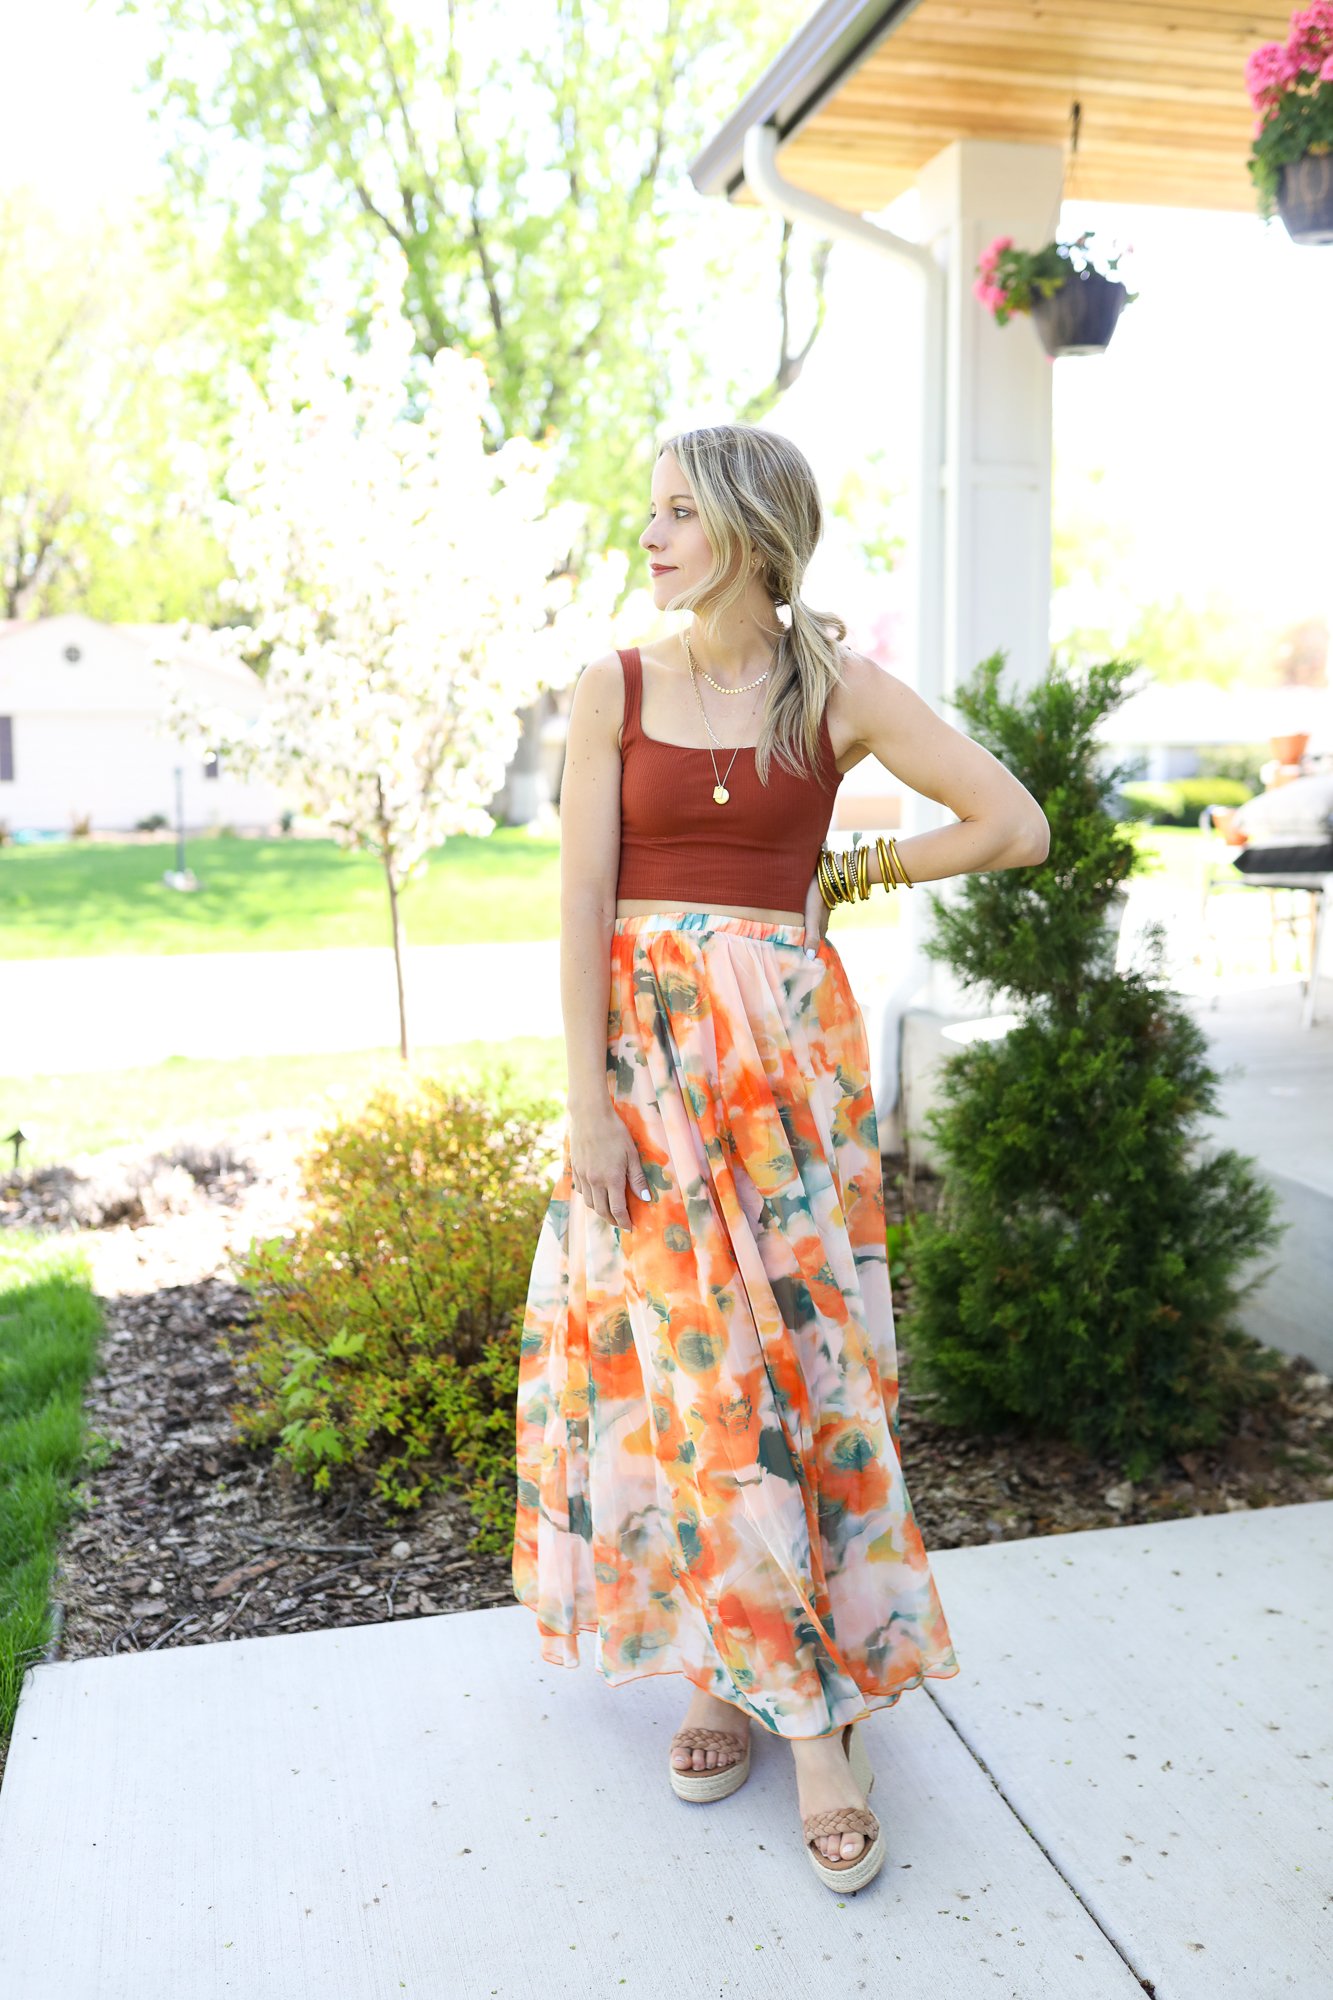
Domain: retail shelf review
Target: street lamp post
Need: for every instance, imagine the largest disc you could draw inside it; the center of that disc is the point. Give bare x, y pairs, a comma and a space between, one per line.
180, 820
180, 877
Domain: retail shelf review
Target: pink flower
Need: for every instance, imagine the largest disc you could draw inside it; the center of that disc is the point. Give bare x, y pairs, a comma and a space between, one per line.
1311, 37
1326, 73
1270, 70
990, 256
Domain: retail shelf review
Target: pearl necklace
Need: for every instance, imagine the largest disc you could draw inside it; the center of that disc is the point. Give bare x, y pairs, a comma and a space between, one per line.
720, 792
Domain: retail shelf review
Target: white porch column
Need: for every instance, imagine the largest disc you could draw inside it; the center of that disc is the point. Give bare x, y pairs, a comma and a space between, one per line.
995, 470
985, 579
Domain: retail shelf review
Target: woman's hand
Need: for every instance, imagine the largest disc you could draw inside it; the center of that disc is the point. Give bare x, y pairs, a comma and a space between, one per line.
602, 1158
816, 918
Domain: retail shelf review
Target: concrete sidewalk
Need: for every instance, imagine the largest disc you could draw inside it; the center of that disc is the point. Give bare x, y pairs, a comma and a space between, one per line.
85, 1014
1125, 1790
64, 1014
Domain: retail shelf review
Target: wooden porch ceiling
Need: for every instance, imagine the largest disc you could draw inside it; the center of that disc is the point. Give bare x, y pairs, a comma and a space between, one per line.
864, 96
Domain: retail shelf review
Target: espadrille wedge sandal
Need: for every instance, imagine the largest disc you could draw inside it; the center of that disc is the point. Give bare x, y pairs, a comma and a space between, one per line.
863, 1867
702, 1787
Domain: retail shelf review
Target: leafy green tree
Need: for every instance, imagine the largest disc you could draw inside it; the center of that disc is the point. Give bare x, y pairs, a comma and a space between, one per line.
91, 424
530, 171
1081, 1276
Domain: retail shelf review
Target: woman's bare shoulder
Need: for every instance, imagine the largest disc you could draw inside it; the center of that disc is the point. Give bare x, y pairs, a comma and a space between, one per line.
597, 706
862, 679
606, 675
863, 694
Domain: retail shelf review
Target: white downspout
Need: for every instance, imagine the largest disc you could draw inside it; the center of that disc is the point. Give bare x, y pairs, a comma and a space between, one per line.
759, 159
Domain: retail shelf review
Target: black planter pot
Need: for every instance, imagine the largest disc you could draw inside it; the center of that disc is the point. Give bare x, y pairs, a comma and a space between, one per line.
1305, 198
1080, 318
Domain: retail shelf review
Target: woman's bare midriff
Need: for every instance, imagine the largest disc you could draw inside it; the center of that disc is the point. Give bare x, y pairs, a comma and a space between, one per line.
645, 909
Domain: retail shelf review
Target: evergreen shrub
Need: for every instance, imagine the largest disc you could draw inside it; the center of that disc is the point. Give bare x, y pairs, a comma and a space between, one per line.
1079, 1278
386, 1329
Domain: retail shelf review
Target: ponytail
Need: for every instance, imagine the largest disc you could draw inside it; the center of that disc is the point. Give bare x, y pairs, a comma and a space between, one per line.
755, 491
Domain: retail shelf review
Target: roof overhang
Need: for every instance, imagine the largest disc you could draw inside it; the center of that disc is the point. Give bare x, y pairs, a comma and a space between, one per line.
870, 90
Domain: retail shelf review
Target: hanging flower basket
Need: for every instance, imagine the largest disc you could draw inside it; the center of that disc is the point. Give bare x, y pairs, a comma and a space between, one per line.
1074, 304
1291, 160
1080, 318
1305, 198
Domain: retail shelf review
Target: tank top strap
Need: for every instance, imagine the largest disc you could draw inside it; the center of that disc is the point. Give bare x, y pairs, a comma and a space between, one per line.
632, 667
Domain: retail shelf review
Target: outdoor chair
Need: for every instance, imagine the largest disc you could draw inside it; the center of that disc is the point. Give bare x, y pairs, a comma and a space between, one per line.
1299, 870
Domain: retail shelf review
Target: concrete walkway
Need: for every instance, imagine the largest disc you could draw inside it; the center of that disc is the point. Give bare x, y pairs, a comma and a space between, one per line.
82, 1014
62, 1014
1125, 1790
85, 1014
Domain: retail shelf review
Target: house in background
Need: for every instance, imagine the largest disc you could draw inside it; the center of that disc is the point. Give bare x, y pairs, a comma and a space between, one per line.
80, 705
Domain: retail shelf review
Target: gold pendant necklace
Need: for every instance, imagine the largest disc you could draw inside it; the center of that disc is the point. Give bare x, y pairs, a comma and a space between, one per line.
720, 792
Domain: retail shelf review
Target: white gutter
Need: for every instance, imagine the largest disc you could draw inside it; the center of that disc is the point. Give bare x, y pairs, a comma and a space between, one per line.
773, 191
759, 155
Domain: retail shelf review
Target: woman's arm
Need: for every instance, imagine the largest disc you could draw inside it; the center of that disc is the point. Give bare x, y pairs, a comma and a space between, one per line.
602, 1153
1000, 824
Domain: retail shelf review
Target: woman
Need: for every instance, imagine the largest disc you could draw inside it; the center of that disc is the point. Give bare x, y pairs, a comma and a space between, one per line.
707, 1420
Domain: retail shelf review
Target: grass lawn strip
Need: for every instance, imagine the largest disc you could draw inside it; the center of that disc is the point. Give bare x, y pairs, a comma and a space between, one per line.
50, 1326
160, 1104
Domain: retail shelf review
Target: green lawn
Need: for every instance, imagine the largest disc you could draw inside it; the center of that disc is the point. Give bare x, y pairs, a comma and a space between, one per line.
1176, 853
71, 900
147, 1107
75, 900
49, 1330
74, 1113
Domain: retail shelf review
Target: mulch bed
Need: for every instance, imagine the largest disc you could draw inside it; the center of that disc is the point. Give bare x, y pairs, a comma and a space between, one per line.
188, 1537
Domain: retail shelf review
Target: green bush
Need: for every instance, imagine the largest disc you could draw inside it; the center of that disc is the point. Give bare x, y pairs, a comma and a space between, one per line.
386, 1331
1080, 1275
1179, 801
1243, 761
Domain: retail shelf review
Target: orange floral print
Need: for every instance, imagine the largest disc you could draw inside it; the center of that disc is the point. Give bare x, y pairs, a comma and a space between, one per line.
709, 1473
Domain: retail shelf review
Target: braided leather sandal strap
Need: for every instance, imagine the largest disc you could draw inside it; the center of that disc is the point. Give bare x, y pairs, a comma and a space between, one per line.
699, 1738
841, 1819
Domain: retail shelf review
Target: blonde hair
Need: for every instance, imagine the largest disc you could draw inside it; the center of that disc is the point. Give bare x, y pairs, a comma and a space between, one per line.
757, 496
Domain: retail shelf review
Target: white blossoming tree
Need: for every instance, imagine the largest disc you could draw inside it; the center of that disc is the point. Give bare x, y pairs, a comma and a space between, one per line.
403, 593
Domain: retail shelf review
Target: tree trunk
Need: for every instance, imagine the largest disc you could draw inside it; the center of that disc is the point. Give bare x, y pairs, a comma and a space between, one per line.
397, 920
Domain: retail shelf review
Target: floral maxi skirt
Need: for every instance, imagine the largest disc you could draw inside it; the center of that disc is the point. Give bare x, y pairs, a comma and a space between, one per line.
708, 1464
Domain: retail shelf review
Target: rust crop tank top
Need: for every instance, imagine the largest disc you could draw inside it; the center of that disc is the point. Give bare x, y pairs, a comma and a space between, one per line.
677, 845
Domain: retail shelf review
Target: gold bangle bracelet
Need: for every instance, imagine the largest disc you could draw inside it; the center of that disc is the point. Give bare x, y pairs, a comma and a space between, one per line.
821, 877
898, 863
827, 876
886, 874
843, 883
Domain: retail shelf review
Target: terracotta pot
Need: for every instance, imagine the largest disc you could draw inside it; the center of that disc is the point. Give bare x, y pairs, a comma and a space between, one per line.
1289, 749
1081, 317
1305, 198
